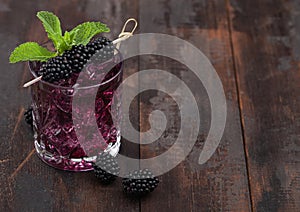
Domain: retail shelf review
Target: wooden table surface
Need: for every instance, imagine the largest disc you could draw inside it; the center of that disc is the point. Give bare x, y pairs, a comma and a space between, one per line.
254, 46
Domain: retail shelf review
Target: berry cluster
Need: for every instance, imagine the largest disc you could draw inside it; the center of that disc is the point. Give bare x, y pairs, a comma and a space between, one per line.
28, 116
136, 183
106, 168
55, 69
73, 61
140, 182
102, 48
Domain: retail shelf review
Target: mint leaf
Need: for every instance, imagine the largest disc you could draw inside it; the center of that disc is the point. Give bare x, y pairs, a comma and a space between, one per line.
51, 24
50, 21
69, 38
30, 51
58, 42
83, 33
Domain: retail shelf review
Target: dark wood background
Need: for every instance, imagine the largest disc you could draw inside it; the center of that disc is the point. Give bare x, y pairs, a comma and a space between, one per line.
255, 47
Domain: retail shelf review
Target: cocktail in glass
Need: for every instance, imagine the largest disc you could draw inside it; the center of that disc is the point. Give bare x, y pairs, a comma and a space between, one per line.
59, 141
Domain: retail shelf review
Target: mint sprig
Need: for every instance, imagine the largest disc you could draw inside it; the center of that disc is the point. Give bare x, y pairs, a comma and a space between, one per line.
51, 25
30, 51
81, 34
84, 32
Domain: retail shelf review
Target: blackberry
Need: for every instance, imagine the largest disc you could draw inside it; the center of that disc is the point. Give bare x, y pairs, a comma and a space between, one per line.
140, 182
72, 61
102, 48
55, 69
106, 168
28, 116
77, 57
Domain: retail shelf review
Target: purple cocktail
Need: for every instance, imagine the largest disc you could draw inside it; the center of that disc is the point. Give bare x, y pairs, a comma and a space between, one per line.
59, 140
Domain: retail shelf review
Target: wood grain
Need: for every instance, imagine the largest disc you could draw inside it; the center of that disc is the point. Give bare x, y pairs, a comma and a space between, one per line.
27, 184
255, 48
265, 36
221, 184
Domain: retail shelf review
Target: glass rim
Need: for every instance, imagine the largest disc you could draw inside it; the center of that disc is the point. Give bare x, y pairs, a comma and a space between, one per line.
83, 87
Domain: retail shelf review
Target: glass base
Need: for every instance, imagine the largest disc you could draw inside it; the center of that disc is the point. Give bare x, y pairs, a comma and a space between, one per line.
72, 164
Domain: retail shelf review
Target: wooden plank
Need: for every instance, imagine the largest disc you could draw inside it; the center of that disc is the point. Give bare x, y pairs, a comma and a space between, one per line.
220, 184
29, 184
16, 141
265, 36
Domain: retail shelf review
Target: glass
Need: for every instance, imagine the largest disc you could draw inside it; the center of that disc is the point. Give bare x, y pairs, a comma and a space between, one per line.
56, 137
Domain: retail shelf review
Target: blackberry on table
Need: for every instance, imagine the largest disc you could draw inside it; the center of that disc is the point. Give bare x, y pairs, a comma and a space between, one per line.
140, 182
28, 116
106, 168
72, 61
